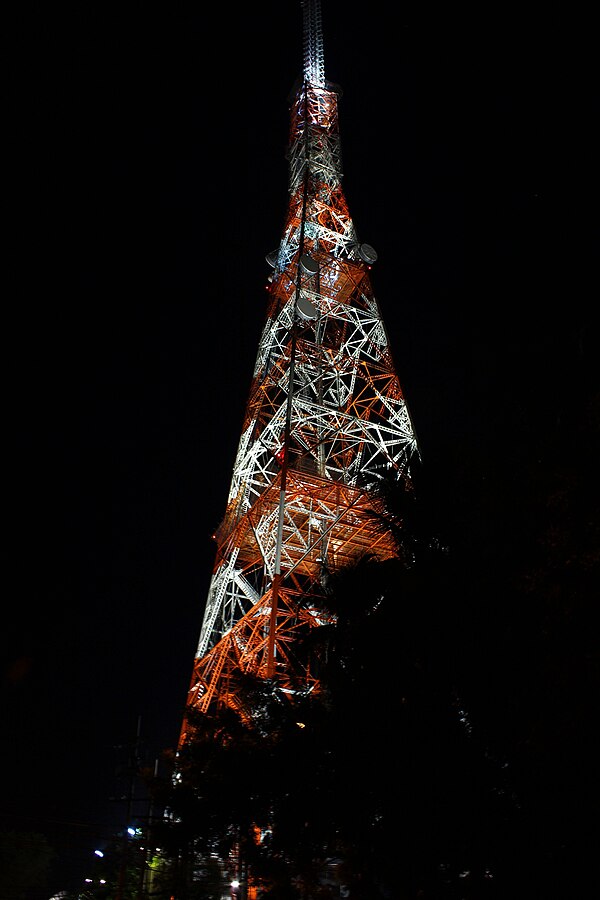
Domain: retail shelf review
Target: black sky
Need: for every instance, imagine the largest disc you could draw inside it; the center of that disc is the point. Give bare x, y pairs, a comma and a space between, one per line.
146, 180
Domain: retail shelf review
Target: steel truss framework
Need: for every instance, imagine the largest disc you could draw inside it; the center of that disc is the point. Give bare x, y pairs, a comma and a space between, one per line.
325, 418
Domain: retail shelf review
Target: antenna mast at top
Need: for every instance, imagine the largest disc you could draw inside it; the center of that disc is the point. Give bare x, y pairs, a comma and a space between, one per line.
314, 66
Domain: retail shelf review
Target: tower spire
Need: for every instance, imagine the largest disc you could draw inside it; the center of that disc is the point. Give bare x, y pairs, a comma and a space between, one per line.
314, 67
325, 421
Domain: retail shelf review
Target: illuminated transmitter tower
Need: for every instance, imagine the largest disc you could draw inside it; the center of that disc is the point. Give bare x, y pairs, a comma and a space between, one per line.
325, 420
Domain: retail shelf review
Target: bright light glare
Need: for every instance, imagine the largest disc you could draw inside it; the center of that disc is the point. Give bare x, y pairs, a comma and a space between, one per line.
98, 852
235, 883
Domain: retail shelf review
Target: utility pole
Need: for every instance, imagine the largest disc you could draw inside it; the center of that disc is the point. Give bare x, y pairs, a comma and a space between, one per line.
146, 872
132, 772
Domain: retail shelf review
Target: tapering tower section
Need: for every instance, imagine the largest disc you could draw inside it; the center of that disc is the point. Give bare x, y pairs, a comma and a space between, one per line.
325, 420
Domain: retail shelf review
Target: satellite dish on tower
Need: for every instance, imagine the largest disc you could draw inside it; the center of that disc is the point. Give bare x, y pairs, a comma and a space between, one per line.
308, 265
306, 308
367, 253
272, 257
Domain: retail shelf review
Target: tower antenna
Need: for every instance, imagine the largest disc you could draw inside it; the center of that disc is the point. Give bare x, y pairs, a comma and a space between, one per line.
314, 66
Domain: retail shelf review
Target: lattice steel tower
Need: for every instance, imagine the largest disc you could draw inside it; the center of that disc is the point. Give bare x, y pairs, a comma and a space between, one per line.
325, 419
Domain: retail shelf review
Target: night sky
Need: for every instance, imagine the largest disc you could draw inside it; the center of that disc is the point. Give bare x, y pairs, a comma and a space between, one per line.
146, 180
